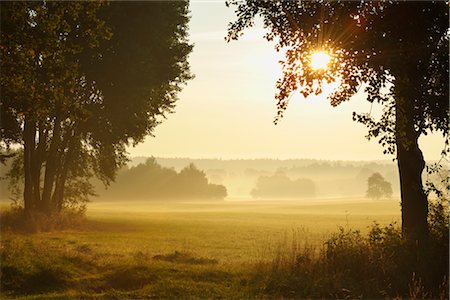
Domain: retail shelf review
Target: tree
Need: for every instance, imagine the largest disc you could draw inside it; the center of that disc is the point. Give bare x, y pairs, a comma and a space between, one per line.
42, 92
80, 82
281, 186
193, 183
378, 187
151, 181
397, 50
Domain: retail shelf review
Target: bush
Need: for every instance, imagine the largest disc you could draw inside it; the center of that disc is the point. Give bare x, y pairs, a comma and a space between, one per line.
351, 265
16, 219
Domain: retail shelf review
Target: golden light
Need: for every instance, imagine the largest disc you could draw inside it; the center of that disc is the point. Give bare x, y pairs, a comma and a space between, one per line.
320, 60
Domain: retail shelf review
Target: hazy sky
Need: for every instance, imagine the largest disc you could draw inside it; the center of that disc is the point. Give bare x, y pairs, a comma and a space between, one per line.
227, 111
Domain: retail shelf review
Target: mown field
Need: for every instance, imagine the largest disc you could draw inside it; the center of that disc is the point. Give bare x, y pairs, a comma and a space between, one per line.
175, 250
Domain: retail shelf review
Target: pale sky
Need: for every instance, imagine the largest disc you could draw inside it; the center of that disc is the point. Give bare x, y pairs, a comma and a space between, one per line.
227, 110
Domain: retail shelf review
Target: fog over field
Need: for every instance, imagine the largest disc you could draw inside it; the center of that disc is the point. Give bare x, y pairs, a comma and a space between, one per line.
331, 179
244, 179
224, 149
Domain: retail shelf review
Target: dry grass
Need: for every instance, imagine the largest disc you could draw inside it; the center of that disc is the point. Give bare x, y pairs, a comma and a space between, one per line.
217, 250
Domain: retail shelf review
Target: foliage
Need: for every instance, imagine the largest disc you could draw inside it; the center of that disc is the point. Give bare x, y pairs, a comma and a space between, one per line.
152, 181
403, 65
80, 82
366, 44
227, 250
17, 220
378, 187
281, 186
438, 221
351, 265
438, 178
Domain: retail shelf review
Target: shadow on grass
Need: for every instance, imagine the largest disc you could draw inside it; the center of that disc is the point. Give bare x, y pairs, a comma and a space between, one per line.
130, 278
39, 281
185, 258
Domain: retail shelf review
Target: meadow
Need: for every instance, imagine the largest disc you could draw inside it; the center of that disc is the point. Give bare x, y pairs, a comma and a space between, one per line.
177, 249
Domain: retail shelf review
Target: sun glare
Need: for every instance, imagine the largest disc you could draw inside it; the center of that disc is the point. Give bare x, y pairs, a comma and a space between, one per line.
320, 60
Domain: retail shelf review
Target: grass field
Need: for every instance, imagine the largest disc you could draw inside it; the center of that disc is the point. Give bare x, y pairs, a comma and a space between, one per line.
174, 250
231, 231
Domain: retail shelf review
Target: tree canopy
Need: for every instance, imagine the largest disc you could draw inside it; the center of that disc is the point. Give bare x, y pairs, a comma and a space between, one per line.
378, 187
397, 51
80, 82
151, 181
281, 186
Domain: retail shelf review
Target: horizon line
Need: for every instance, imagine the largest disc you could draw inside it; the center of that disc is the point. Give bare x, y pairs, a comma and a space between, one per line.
262, 158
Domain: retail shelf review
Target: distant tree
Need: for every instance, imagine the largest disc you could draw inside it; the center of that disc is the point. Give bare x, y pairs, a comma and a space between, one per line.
216, 191
81, 81
281, 186
398, 50
153, 182
190, 182
378, 187
193, 183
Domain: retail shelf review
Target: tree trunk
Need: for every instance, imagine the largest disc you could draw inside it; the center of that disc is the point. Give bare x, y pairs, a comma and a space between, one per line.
41, 148
58, 195
65, 162
410, 165
29, 134
37, 165
414, 200
51, 167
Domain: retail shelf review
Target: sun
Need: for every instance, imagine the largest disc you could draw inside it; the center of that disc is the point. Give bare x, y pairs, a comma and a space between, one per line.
319, 60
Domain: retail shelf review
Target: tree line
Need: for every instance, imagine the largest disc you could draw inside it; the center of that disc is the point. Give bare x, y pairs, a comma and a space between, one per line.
281, 186
151, 181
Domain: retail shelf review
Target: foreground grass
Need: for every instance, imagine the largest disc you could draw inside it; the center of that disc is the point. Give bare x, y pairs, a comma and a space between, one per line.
38, 270
198, 250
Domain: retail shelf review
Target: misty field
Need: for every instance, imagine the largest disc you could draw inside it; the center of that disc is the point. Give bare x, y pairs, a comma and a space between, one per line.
176, 249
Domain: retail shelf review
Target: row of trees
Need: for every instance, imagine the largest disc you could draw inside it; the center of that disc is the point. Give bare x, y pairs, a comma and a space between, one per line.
151, 181
281, 186
398, 50
81, 81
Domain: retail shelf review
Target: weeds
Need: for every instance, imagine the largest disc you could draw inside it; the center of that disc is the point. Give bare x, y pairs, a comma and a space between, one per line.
351, 265
106, 264
17, 220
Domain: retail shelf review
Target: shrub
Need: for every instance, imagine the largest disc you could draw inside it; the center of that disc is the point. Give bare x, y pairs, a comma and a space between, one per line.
16, 219
351, 265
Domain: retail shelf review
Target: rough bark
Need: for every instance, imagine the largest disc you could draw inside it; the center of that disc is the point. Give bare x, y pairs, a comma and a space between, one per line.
58, 195
37, 165
29, 135
414, 200
51, 167
410, 165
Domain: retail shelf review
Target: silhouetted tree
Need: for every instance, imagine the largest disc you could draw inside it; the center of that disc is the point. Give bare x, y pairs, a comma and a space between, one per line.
216, 191
398, 50
81, 81
151, 181
378, 187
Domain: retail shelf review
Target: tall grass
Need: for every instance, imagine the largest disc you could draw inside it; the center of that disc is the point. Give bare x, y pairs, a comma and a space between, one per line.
17, 220
352, 265
112, 264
